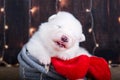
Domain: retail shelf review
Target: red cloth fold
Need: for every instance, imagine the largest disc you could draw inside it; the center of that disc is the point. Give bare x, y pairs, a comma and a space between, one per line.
79, 67
72, 69
99, 69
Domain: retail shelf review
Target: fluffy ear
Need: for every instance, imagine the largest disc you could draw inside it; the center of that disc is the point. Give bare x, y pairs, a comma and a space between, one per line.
82, 38
51, 17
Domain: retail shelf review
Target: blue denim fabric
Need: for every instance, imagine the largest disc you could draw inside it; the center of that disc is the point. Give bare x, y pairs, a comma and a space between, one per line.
26, 74
30, 69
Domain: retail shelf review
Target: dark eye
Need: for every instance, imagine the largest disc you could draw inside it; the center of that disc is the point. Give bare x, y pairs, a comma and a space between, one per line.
59, 26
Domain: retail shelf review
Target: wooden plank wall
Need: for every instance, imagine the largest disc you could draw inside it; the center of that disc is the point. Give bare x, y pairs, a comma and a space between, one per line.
106, 24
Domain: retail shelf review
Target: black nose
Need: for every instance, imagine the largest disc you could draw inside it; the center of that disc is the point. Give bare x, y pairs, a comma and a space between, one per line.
64, 38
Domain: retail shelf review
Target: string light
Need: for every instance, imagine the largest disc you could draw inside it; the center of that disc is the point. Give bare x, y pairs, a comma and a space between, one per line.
34, 9
31, 10
4, 36
91, 30
16, 64
88, 10
6, 27
57, 5
1, 59
2, 10
97, 45
60, 4
31, 31
8, 65
110, 62
6, 46
119, 19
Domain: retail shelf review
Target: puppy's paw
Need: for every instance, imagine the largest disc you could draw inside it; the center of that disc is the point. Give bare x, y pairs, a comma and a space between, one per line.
64, 57
44, 60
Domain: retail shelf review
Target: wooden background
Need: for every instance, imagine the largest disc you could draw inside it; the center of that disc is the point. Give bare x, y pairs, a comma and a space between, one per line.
19, 19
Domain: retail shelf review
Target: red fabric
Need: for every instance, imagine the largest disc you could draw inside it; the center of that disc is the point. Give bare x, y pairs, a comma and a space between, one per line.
72, 69
99, 69
79, 67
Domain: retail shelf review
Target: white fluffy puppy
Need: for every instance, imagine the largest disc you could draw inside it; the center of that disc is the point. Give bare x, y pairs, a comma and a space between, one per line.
59, 37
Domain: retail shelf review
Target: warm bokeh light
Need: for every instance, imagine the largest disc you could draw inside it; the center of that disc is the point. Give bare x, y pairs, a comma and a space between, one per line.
90, 30
2, 9
63, 3
6, 46
8, 65
110, 61
87, 10
31, 31
34, 9
119, 19
60, 0
6, 27
1, 58
97, 45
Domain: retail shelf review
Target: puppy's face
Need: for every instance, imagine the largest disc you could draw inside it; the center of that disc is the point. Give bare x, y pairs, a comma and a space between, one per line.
61, 39
57, 37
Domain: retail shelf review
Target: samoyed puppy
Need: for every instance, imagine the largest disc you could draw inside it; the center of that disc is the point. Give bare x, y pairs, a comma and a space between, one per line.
59, 37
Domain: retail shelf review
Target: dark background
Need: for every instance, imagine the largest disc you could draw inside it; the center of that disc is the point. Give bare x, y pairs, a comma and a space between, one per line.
19, 20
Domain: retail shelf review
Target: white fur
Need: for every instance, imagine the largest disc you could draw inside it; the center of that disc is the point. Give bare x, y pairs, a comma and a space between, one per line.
44, 43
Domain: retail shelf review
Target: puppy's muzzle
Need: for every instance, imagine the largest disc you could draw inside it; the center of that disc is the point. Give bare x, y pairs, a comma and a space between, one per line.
64, 38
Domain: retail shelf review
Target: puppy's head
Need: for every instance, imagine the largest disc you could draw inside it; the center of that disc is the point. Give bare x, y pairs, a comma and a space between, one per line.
69, 23
62, 31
